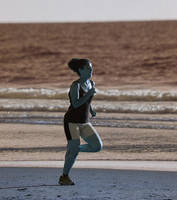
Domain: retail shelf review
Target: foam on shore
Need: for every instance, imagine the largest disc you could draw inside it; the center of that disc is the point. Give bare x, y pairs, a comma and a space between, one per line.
102, 94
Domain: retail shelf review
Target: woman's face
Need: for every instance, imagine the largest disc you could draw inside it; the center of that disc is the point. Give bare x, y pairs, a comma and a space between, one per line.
86, 72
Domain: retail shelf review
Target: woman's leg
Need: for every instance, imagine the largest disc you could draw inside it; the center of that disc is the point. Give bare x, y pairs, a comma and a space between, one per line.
73, 132
71, 154
73, 147
90, 135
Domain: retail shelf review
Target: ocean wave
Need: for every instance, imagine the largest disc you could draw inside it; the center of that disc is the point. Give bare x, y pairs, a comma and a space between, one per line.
53, 105
101, 94
136, 95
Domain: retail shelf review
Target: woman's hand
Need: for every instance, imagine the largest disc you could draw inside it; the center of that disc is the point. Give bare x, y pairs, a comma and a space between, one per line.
92, 91
93, 113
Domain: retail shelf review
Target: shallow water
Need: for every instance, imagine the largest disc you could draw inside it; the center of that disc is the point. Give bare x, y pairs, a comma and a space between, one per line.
58, 105
101, 94
168, 122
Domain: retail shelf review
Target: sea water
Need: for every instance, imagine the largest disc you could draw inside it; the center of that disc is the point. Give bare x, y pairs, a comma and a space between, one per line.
101, 94
105, 100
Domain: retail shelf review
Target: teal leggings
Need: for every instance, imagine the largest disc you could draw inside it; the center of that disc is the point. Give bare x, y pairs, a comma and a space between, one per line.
94, 144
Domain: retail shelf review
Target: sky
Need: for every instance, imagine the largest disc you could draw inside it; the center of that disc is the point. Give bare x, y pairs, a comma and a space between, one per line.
86, 10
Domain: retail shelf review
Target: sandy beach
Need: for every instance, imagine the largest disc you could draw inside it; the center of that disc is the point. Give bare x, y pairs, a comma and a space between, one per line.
48, 142
137, 163
135, 69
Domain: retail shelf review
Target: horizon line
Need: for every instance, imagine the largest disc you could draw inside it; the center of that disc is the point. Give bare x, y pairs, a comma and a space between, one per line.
86, 21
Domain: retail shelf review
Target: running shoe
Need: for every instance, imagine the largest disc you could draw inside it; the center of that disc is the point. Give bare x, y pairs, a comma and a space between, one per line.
65, 180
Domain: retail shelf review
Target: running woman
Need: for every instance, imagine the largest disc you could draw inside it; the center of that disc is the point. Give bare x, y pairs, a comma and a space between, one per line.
76, 119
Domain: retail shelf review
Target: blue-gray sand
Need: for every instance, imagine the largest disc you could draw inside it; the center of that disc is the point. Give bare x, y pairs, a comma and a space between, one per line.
91, 184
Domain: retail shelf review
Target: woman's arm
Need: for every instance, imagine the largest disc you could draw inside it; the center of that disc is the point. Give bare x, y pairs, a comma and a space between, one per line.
93, 113
76, 101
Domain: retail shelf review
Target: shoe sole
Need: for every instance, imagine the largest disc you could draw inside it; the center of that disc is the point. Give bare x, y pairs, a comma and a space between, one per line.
65, 183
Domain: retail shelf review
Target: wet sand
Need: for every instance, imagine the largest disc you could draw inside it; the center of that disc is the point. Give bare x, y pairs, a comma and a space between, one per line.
97, 176
48, 142
91, 184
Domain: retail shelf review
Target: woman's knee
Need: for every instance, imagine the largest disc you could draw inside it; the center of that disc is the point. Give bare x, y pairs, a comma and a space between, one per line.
95, 142
99, 146
98, 143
